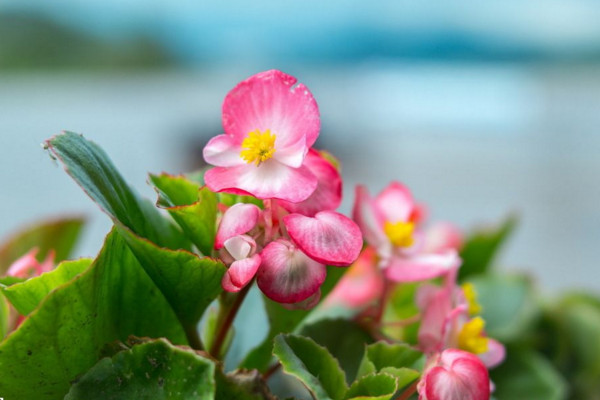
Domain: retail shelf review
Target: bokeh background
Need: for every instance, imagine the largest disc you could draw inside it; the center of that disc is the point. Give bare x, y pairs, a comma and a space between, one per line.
482, 108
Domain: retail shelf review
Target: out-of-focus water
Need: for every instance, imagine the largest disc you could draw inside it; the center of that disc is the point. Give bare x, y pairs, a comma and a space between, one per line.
474, 142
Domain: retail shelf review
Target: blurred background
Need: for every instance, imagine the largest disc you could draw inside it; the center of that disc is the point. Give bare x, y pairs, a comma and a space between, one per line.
482, 108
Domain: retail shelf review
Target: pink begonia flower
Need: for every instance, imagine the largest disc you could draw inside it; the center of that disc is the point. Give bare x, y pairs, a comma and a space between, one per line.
270, 124
361, 285
448, 322
328, 194
238, 219
454, 375
390, 224
242, 249
442, 236
28, 266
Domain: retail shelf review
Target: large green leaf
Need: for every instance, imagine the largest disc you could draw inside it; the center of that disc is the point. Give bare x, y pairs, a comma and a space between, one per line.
482, 247
242, 385
192, 207
527, 375
312, 364
59, 235
373, 387
4, 315
509, 305
91, 168
283, 320
150, 371
26, 296
64, 336
344, 339
188, 282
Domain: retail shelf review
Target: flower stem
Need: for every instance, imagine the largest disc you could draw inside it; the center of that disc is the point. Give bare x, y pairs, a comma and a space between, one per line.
274, 368
408, 392
223, 329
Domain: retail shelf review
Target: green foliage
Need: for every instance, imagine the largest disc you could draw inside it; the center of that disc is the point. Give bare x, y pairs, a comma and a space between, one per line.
151, 371
482, 247
188, 282
397, 360
192, 207
283, 320
27, 295
373, 387
4, 318
58, 235
64, 336
527, 375
344, 339
242, 385
312, 365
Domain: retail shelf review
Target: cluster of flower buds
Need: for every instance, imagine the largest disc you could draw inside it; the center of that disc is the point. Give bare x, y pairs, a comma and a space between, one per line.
271, 124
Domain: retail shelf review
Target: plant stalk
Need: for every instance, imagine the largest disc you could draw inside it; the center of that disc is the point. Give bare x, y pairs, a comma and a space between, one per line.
223, 329
409, 391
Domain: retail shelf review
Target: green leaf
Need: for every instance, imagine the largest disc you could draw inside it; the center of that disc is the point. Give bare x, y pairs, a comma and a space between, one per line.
91, 168
64, 336
381, 355
527, 375
312, 364
188, 282
283, 320
224, 198
4, 318
482, 247
344, 339
59, 235
26, 296
509, 305
373, 387
192, 207
151, 371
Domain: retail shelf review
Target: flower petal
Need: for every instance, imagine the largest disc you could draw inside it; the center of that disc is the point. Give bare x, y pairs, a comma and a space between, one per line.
269, 100
442, 236
25, 266
292, 155
459, 376
304, 304
242, 271
270, 179
328, 237
495, 354
395, 202
223, 151
422, 267
240, 247
227, 285
287, 275
327, 195
368, 218
237, 220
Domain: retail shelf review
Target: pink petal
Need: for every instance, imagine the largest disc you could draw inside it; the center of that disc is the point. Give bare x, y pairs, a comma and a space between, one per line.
362, 284
459, 376
228, 285
328, 237
287, 275
495, 354
422, 267
327, 195
237, 220
269, 100
223, 151
442, 236
271, 179
25, 266
292, 155
242, 271
395, 202
368, 218
305, 304
435, 312
240, 247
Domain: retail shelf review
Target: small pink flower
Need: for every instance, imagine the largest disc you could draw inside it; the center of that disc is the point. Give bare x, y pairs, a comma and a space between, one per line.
28, 266
390, 223
270, 124
242, 249
454, 375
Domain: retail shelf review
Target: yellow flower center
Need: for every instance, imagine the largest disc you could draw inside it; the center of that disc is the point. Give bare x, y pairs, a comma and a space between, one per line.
400, 233
258, 147
471, 297
472, 338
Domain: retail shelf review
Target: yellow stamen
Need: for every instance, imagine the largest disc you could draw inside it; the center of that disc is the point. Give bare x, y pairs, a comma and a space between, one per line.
258, 147
400, 233
472, 338
471, 297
